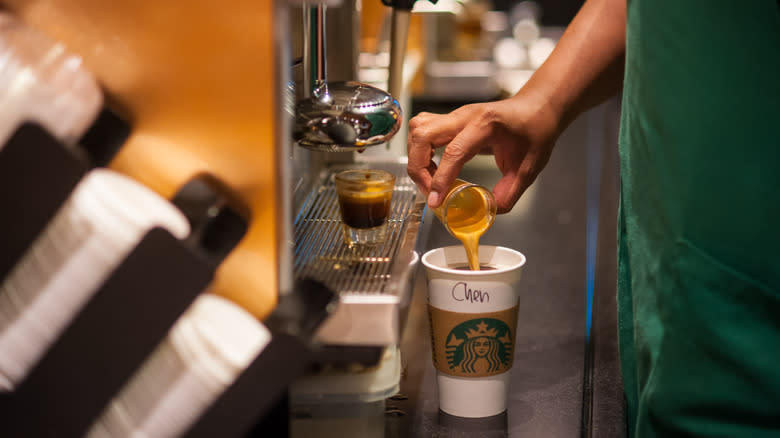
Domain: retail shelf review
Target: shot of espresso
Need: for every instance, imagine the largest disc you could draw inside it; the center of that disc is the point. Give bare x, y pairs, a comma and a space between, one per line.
365, 210
364, 197
468, 268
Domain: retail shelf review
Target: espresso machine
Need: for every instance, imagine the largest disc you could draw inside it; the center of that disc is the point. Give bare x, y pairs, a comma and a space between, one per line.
261, 99
363, 364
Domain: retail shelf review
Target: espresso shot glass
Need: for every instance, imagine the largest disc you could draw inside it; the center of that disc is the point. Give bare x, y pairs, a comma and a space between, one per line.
364, 201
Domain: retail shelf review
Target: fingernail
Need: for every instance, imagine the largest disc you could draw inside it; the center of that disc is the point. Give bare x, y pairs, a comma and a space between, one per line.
433, 199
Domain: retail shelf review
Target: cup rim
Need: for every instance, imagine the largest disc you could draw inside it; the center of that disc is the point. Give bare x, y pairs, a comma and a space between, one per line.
388, 180
130, 204
425, 261
490, 202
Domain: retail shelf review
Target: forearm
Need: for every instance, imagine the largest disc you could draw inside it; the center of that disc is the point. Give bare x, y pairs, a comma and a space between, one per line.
587, 64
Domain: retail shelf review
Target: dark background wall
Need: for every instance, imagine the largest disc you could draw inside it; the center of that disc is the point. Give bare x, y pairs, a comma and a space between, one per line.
559, 12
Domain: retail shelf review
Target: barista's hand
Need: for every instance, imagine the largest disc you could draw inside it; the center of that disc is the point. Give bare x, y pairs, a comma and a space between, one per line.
520, 132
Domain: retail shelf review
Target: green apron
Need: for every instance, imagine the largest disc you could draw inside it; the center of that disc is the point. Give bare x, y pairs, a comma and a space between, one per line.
699, 220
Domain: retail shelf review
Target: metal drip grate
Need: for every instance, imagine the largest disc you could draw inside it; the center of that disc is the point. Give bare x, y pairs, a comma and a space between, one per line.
321, 253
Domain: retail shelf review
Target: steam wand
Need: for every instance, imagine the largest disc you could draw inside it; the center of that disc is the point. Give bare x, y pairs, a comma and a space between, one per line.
399, 35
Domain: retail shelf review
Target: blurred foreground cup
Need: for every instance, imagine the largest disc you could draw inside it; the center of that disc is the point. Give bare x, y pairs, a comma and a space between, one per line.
207, 348
473, 319
102, 221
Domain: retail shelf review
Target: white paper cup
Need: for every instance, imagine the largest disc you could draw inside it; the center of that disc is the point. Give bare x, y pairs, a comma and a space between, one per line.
104, 218
473, 318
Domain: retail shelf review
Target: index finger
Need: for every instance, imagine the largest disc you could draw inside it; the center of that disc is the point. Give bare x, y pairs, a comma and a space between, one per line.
427, 132
461, 149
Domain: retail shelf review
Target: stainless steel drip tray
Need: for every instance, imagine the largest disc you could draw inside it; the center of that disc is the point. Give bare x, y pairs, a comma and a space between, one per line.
374, 283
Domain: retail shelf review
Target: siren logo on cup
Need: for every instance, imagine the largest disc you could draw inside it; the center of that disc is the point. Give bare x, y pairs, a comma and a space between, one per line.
479, 346
472, 345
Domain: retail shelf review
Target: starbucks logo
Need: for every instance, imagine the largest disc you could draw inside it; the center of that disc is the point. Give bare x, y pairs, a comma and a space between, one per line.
480, 346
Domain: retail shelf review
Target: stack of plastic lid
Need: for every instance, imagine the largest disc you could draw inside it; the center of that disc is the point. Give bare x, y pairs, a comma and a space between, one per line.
204, 352
103, 220
40, 81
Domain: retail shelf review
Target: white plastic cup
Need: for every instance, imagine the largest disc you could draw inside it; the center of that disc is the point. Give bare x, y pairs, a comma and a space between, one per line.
473, 316
100, 223
41, 81
207, 348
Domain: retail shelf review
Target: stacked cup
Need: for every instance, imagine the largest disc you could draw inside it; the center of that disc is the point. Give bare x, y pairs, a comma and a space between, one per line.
105, 217
204, 352
41, 81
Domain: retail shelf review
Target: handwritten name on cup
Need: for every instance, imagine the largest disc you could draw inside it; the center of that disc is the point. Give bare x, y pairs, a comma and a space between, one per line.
462, 292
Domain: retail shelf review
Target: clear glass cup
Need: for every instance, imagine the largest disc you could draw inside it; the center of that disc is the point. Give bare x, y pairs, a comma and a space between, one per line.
364, 197
467, 208
467, 212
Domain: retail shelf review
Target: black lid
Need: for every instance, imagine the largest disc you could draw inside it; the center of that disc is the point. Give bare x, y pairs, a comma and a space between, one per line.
103, 139
215, 222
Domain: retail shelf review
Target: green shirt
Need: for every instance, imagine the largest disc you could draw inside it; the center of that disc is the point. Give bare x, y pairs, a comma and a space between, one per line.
699, 225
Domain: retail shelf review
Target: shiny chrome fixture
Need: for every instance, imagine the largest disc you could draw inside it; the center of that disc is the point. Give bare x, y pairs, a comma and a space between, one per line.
339, 116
